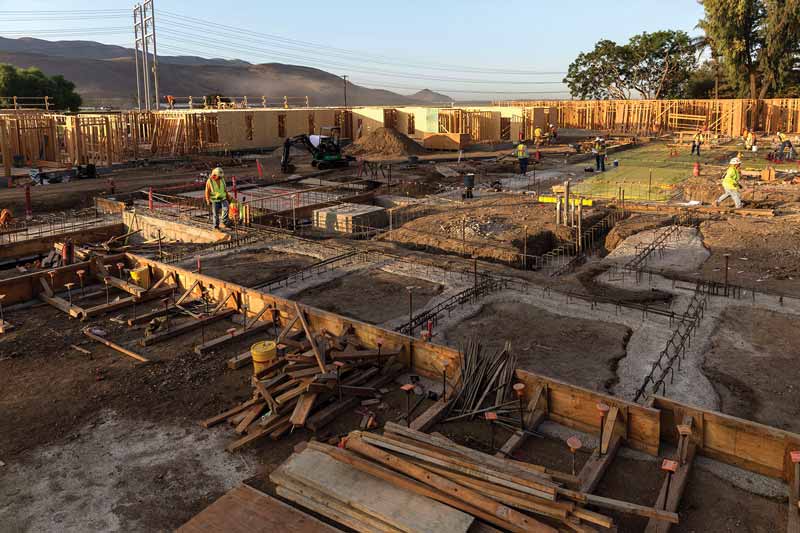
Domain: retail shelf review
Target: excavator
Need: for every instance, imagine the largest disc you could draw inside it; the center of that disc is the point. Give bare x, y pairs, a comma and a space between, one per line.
325, 150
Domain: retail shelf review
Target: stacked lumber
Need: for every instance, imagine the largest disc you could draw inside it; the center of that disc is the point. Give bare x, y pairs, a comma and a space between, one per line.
317, 481
314, 379
510, 495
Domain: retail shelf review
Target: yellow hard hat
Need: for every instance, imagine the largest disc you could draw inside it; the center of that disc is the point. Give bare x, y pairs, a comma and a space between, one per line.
218, 172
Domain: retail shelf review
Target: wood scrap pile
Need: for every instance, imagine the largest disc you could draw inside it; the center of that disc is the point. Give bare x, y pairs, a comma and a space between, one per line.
508, 494
485, 384
314, 379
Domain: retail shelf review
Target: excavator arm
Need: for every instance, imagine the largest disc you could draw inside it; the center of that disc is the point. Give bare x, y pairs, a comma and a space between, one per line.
297, 140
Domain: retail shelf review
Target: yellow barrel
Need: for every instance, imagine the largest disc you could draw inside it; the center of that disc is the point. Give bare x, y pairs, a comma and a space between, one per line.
264, 354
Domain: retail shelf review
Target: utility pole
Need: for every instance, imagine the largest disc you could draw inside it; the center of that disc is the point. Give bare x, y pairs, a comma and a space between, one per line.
144, 31
344, 77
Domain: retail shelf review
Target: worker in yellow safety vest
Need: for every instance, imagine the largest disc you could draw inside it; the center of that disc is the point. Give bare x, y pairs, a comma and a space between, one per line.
537, 136
731, 184
523, 157
217, 197
749, 140
599, 151
783, 153
697, 140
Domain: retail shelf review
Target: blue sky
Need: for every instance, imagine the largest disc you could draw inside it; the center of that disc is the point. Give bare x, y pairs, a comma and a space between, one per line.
469, 48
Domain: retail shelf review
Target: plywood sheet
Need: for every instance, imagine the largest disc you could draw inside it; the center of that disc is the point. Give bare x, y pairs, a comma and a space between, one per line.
391, 504
247, 510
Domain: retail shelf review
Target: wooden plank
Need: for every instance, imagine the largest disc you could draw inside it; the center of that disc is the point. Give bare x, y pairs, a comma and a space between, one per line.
62, 305
396, 506
240, 334
619, 505
265, 394
186, 327
310, 336
536, 487
326, 415
243, 359
597, 465
303, 409
216, 419
676, 488
257, 433
520, 521
431, 416
338, 513
518, 438
249, 417
115, 346
399, 480
247, 510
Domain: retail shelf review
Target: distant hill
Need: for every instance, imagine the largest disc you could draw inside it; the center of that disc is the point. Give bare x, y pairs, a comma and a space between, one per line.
106, 75
431, 97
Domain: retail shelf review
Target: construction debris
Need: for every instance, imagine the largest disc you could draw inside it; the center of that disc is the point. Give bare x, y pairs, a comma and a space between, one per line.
313, 379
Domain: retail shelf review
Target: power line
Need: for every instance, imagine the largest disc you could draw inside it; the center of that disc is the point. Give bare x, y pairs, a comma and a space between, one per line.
186, 38
239, 32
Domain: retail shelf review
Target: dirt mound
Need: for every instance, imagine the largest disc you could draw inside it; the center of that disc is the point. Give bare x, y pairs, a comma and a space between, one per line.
384, 142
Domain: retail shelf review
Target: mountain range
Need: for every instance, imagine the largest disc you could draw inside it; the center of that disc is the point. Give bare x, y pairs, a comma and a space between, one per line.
106, 75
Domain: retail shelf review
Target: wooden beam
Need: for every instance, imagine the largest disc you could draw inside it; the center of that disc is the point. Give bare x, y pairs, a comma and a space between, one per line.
62, 305
186, 327
670, 502
619, 505
404, 482
124, 302
431, 416
597, 465
115, 346
303, 409
214, 420
520, 521
240, 334
309, 334
535, 414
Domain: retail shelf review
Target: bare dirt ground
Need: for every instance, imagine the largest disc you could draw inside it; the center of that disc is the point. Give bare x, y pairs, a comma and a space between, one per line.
249, 268
752, 366
490, 228
373, 296
781, 195
764, 253
549, 344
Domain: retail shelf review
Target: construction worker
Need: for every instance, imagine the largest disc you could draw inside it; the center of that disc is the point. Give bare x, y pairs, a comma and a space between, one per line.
697, 140
749, 140
217, 197
785, 144
537, 136
731, 184
599, 151
523, 156
553, 133
6, 217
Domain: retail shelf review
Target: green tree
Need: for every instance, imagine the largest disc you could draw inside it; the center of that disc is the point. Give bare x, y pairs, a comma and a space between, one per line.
29, 82
758, 42
654, 65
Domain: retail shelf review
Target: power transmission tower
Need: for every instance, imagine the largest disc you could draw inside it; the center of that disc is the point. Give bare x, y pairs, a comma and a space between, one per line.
144, 31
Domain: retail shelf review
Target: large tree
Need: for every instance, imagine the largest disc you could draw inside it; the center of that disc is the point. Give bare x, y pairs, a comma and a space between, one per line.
654, 65
15, 81
758, 42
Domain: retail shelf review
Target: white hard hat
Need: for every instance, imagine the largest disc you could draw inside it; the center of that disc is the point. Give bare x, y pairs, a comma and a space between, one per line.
218, 172
736, 161
597, 139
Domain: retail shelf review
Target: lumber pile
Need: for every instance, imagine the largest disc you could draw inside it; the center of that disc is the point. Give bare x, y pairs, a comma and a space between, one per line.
314, 379
507, 494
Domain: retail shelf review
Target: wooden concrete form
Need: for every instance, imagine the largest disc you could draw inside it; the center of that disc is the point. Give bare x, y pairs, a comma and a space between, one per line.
731, 440
728, 439
44, 242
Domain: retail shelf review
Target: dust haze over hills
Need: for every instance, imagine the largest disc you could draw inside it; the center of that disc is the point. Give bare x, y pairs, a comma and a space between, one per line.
106, 75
